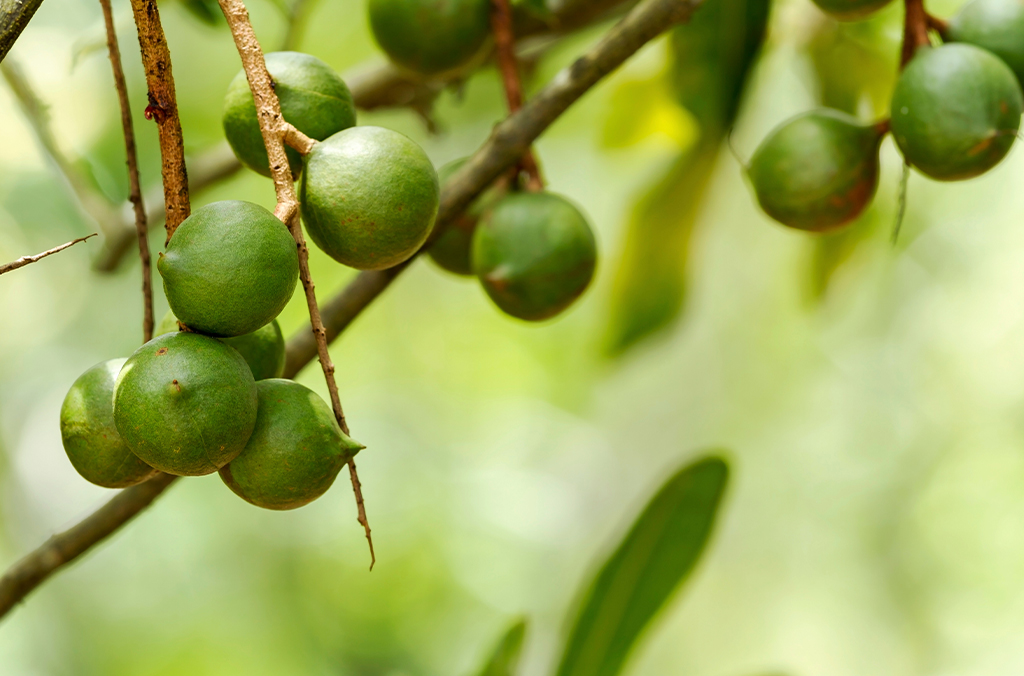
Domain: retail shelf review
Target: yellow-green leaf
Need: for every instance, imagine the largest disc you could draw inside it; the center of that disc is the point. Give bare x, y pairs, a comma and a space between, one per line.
504, 659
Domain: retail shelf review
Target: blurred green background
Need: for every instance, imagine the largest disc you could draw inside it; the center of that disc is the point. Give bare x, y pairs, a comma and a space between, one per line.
870, 396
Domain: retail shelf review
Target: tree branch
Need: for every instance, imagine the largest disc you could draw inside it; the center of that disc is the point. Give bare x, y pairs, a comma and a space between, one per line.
163, 107
498, 154
63, 548
131, 159
14, 16
25, 260
915, 30
508, 66
276, 130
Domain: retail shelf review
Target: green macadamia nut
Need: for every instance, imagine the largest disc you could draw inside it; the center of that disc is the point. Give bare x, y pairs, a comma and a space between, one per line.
534, 254
817, 171
263, 349
185, 403
229, 269
995, 25
430, 36
369, 197
295, 451
955, 111
314, 99
452, 249
91, 440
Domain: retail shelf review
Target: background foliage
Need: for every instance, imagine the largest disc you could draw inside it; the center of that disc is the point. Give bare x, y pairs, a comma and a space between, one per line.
871, 397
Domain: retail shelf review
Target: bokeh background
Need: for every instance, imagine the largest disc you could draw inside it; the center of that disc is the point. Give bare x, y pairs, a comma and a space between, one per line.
870, 396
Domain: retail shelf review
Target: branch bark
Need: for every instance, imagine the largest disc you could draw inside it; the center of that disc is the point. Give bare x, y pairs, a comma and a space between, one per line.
500, 152
131, 159
25, 260
14, 16
163, 107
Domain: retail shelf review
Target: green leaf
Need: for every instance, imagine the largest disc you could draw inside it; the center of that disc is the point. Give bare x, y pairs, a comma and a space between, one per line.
712, 58
505, 657
855, 64
656, 556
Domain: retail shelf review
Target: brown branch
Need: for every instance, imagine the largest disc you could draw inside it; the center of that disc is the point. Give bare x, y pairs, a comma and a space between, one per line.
135, 190
275, 131
498, 154
63, 548
163, 107
14, 16
25, 260
508, 66
296, 139
915, 30
940, 26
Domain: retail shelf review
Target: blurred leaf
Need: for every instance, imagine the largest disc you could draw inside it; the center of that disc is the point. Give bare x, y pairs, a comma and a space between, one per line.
855, 65
207, 11
642, 108
713, 55
830, 251
650, 287
658, 553
505, 657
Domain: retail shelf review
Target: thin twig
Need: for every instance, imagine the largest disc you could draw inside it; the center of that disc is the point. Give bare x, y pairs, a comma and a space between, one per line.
63, 548
131, 159
915, 30
499, 153
25, 260
505, 55
275, 131
163, 107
